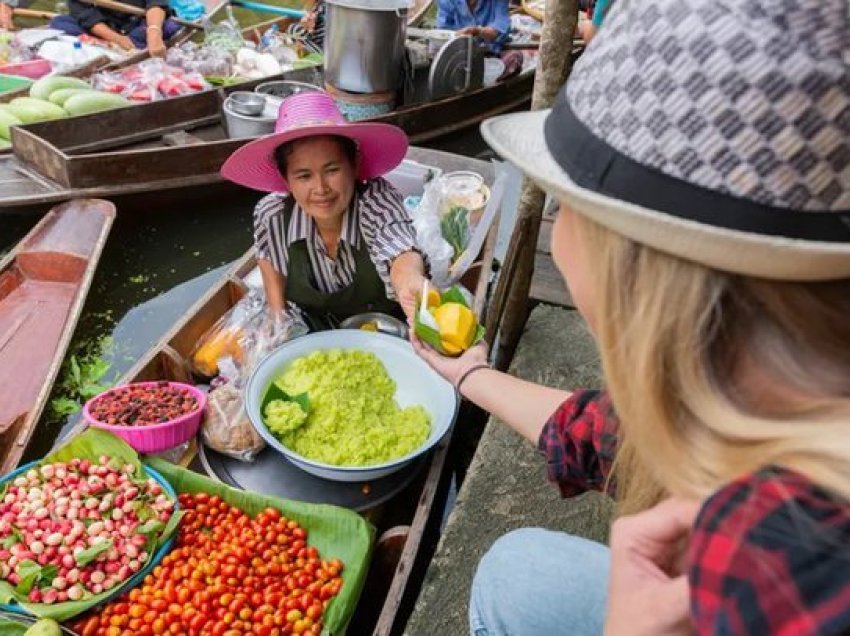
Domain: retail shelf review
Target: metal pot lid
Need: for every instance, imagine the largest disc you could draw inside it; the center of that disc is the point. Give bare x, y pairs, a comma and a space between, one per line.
271, 474
374, 5
448, 74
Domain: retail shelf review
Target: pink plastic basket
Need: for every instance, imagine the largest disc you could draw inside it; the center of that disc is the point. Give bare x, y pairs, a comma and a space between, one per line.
153, 438
33, 69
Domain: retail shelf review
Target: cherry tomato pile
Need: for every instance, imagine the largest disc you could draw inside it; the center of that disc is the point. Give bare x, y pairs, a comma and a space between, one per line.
137, 405
228, 575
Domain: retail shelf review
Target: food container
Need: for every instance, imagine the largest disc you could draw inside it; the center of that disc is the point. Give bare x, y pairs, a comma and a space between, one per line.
364, 44
247, 103
376, 322
466, 189
285, 88
416, 383
153, 438
86, 448
239, 125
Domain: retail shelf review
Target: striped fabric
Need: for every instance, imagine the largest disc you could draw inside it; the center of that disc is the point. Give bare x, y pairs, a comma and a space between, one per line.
376, 215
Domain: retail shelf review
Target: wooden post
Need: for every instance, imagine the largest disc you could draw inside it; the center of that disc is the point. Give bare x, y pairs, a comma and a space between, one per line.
510, 299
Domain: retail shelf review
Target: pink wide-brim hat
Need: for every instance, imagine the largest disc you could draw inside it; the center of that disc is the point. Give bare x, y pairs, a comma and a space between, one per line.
380, 147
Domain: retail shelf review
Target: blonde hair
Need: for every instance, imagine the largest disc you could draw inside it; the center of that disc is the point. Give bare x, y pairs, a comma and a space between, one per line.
715, 375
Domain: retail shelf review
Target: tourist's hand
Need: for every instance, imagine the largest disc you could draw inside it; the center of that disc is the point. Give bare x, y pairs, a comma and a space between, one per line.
452, 369
473, 31
648, 590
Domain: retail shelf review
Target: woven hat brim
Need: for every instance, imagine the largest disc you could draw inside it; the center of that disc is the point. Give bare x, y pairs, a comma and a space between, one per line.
519, 138
381, 147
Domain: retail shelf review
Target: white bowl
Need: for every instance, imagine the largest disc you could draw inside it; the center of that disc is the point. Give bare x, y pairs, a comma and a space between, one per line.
416, 383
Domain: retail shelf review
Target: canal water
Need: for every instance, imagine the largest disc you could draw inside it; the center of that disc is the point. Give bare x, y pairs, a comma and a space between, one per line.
160, 257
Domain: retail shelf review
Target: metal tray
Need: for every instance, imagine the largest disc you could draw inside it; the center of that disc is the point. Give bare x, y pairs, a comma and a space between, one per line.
272, 474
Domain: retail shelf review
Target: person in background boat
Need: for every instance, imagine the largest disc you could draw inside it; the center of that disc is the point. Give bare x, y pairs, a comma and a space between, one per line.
6, 14
713, 270
597, 10
314, 23
334, 237
487, 20
126, 31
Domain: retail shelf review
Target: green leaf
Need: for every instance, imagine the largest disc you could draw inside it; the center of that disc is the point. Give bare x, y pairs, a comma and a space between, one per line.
48, 573
75, 370
88, 391
90, 554
274, 392
64, 406
29, 571
7, 593
96, 369
12, 539
150, 527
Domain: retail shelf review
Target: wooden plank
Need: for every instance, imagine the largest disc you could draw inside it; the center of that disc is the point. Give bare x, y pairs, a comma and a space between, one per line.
547, 284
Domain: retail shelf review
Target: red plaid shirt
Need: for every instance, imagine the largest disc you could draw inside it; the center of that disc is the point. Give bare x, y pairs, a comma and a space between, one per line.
769, 553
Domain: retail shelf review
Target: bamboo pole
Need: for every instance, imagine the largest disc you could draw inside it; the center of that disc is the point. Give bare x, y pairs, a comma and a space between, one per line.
32, 13
509, 308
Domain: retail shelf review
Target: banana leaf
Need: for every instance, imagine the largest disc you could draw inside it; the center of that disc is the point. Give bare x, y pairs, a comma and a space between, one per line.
335, 532
431, 336
90, 445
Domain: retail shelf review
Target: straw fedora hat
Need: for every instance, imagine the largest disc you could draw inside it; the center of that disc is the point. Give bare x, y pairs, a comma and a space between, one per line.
380, 147
716, 132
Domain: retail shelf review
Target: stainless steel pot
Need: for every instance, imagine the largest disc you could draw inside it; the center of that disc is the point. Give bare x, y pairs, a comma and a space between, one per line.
285, 88
364, 44
239, 125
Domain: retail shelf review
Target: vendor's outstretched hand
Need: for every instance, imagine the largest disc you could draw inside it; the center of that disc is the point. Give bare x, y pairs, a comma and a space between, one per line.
408, 293
452, 369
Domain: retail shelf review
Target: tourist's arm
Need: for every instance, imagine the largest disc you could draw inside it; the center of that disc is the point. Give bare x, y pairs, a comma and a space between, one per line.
522, 405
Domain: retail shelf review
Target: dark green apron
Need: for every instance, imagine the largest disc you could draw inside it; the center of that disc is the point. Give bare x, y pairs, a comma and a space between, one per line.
366, 293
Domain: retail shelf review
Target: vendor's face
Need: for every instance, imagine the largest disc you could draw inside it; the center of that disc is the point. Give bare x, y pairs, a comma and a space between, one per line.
569, 254
321, 177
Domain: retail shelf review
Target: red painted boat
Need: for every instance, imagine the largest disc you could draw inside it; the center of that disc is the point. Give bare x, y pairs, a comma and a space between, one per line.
43, 285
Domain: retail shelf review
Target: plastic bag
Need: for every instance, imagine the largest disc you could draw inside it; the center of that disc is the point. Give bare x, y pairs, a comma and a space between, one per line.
151, 80
451, 224
223, 339
227, 428
209, 61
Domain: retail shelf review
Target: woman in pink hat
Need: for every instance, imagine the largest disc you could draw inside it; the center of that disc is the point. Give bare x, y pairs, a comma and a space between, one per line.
333, 236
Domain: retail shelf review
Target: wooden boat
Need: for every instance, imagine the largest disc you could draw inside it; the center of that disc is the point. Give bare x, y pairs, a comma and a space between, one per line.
43, 285
182, 143
407, 535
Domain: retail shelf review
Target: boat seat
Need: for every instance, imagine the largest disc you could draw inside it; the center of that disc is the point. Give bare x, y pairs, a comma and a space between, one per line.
181, 138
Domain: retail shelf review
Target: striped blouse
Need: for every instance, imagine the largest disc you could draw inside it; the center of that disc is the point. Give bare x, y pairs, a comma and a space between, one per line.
376, 215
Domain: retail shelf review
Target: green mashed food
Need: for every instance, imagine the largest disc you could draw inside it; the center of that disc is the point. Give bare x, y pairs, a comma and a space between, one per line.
354, 419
